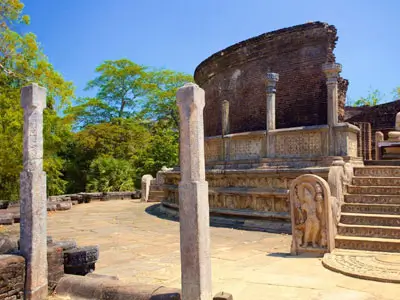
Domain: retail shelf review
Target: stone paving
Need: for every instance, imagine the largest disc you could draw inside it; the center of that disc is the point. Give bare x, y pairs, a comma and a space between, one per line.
140, 247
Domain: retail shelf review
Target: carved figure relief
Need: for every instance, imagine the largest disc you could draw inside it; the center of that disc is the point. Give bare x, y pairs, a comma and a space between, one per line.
311, 213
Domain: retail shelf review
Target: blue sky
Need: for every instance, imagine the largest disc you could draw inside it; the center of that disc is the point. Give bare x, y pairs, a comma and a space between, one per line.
77, 35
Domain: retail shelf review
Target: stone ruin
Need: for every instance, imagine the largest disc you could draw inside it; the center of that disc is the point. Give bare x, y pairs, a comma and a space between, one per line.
284, 154
270, 116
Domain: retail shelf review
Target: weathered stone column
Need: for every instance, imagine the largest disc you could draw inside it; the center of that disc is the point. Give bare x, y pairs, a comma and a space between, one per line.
225, 117
33, 235
272, 79
193, 197
332, 71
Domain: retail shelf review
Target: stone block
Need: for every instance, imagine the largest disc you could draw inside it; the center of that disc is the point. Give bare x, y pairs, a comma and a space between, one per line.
12, 275
6, 219
65, 205
223, 296
66, 245
80, 261
55, 261
8, 245
51, 206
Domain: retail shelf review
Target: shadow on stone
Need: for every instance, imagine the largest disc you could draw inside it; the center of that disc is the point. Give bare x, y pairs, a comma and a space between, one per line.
231, 222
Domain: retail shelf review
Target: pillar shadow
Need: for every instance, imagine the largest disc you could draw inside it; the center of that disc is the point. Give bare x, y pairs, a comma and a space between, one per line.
231, 222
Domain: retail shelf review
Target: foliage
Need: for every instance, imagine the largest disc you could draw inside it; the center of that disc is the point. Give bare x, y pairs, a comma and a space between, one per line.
161, 102
374, 98
108, 174
21, 62
121, 86
162, 150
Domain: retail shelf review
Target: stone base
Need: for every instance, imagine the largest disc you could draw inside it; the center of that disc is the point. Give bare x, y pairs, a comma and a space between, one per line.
375, 266
239, 219
39, 294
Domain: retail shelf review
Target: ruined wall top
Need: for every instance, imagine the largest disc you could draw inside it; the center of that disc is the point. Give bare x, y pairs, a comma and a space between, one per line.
238, 74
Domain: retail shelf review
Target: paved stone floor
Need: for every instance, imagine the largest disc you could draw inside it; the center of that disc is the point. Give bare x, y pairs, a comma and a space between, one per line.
141, 247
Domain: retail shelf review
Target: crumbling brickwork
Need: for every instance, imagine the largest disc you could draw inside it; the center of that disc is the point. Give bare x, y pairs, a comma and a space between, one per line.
238, 73
381, 117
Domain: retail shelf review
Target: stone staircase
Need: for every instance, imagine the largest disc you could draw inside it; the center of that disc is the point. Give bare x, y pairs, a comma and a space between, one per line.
370, 218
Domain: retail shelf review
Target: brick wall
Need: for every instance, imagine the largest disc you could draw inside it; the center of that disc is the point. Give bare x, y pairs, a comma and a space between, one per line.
237, 74
381, 117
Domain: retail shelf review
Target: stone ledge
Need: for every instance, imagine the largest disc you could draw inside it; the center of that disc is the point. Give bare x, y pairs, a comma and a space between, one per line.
99, 289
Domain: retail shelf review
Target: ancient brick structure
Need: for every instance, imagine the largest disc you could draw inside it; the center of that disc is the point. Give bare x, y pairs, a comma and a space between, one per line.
381, 117
237, 74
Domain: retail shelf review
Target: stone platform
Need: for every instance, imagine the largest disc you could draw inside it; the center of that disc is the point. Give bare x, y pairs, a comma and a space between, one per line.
377, 266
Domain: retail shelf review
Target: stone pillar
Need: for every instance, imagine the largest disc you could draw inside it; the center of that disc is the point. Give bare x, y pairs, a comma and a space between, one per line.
225, 117
33, 227
379, 137
193, 197
332, 71
272, 79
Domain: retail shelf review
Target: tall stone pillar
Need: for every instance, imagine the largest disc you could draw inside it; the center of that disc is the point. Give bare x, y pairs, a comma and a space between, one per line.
33, 226
225, 117
332, 71
272, 79
193, 197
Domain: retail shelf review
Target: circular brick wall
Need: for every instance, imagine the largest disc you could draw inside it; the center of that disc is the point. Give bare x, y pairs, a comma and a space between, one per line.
237, 74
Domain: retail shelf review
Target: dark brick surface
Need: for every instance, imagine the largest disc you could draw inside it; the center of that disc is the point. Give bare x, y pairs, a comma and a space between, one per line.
238, 73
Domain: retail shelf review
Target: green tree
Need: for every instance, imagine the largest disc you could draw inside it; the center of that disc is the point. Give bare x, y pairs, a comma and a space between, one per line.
161, 99
121, 139
121, 86
21, 62
108, 174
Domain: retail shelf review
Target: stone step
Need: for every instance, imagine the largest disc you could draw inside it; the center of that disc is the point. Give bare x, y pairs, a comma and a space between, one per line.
370, 219
377, 171
372, 199
367, 243
369, 231
376, 181
373, 190
371, 208
386, 162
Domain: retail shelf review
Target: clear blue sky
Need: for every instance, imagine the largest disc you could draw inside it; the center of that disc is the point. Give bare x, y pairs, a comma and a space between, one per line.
77, 35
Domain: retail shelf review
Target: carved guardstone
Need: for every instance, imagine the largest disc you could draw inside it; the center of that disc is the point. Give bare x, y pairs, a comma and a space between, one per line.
311, 215
33, 227
193, 196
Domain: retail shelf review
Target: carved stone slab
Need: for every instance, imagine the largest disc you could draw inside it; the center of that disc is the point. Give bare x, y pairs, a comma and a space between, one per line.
311, 215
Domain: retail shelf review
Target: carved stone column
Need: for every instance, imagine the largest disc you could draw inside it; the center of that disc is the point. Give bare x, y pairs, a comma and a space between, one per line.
33, 226
332, 71
225, 129
272, 79
193, 197
225, 117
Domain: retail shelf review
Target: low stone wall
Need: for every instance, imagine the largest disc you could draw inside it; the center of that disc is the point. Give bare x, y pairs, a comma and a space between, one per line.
296, 147
12, 277
251, 193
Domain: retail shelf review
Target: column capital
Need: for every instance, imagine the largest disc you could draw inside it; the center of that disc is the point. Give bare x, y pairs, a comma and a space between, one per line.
272, 79
33, 96
331, 71
190, 94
